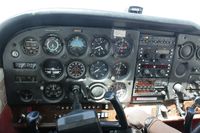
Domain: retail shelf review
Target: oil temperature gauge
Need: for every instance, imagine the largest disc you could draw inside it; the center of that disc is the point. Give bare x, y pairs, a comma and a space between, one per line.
120, 89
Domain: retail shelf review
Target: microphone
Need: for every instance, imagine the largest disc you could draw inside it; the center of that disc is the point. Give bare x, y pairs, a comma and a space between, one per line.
179, 88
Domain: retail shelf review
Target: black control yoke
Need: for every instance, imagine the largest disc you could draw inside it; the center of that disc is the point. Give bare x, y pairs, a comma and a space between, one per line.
189, 116
111, 96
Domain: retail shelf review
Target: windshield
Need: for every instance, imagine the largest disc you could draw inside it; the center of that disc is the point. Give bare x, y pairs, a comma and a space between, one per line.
178, 9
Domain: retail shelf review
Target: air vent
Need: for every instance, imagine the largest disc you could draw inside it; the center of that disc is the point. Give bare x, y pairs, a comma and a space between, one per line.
187, 50
181, 69
198, 53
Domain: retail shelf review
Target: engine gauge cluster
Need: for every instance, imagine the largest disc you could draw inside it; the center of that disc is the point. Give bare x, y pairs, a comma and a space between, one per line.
30, 46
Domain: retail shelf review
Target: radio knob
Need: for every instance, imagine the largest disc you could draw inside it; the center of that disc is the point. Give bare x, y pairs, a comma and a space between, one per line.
162, 72
147, 72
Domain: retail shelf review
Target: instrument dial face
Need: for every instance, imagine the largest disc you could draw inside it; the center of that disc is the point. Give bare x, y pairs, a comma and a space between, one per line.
76, 69
52, 45
77, 46
120, 70
52, 69
98, 70
26, 95
120, 89
122, 48
53, 91
30, 46
100, 47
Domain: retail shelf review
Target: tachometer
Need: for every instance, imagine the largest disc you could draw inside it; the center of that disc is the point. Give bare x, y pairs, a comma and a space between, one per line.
77, 46
52, 45
120, 70
76, 69
120, 89
100, 47
98, 70
122, 48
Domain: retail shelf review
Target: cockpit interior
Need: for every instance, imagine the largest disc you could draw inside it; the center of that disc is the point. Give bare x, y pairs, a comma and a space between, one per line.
64, 71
